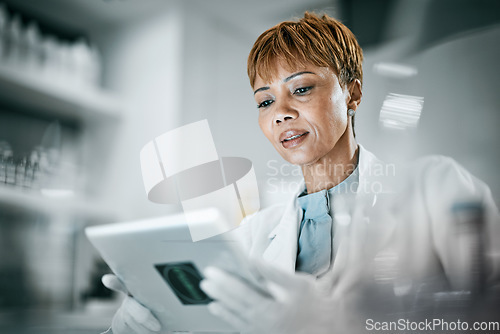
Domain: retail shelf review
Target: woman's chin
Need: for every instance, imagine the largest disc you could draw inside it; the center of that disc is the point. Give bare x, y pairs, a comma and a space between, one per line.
298, 158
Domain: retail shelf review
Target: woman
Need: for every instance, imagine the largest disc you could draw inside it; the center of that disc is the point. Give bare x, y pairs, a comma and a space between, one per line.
307, 78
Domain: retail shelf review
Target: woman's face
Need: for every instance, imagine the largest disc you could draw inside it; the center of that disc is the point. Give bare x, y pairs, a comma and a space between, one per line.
303, 113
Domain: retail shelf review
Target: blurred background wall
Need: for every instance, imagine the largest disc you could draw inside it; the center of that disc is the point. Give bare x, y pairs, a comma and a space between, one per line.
83, 89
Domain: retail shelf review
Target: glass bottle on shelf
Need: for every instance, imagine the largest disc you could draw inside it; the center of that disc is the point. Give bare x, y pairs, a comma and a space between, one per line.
4, 146
14, 42
20, 171
10, 167
33, 41
2, 169
28, 174
33, 173
35, 176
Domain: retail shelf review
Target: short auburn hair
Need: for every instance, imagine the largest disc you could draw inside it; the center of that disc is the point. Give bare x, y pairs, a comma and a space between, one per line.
321, 41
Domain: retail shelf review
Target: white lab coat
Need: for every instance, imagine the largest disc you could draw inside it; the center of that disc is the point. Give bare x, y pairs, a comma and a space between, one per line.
409, 225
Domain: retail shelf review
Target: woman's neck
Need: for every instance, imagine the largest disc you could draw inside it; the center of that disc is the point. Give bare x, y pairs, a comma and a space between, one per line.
332, 169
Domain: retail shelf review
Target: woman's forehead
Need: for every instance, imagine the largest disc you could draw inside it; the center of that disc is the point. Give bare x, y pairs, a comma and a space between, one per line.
279, 70
270, 71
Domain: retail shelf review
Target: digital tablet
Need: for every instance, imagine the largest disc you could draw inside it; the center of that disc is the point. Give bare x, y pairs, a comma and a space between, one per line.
162, 267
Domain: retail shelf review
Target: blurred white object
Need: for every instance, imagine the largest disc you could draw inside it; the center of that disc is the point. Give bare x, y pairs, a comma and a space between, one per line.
401, 111
395, 70
81, 61
132, 317
95, 66
182, 165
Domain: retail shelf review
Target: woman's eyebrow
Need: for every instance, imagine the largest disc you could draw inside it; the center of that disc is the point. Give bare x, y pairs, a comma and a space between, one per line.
284, 80
260, 89
297, 74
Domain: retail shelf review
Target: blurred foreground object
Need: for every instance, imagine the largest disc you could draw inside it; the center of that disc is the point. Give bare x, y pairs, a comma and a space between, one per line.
182, 165
434, 247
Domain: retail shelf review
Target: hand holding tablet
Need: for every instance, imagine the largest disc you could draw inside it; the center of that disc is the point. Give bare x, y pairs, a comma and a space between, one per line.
132, 316
161, 268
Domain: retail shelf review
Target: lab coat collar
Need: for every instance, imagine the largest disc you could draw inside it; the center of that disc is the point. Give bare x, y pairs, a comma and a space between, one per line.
282, 249
366, 163
366, 160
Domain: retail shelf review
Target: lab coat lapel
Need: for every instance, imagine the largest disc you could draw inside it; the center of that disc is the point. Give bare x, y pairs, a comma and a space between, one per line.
343, 254
350, 258
282, 249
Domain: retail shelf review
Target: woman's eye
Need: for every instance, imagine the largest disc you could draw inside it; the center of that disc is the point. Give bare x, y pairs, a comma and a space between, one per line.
302, 90
265, 103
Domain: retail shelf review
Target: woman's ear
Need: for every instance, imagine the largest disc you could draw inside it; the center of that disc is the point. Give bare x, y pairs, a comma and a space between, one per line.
355, 94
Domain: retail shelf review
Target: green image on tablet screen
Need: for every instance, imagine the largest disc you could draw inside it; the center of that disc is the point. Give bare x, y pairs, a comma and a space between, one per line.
184, 280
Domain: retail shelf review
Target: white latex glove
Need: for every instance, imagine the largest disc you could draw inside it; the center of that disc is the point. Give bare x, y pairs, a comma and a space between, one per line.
131, 317
294, 304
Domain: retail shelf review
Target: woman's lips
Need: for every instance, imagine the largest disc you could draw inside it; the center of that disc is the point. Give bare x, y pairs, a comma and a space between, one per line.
292, 138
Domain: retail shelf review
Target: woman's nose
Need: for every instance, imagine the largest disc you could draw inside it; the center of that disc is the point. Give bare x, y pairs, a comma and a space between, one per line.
278, 120
284, 113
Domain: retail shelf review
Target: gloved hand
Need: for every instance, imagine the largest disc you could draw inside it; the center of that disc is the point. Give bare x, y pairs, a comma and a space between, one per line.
294, 303
131, 317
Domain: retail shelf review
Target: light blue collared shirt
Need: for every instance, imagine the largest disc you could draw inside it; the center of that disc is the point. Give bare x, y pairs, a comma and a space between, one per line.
316, 233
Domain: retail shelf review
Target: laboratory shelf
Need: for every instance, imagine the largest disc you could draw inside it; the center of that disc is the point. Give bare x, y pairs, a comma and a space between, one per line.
32, 321
51, 98
33, 202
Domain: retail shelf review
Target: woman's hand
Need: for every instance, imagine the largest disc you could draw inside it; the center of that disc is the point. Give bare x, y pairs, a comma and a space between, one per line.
294, 302
131, 317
